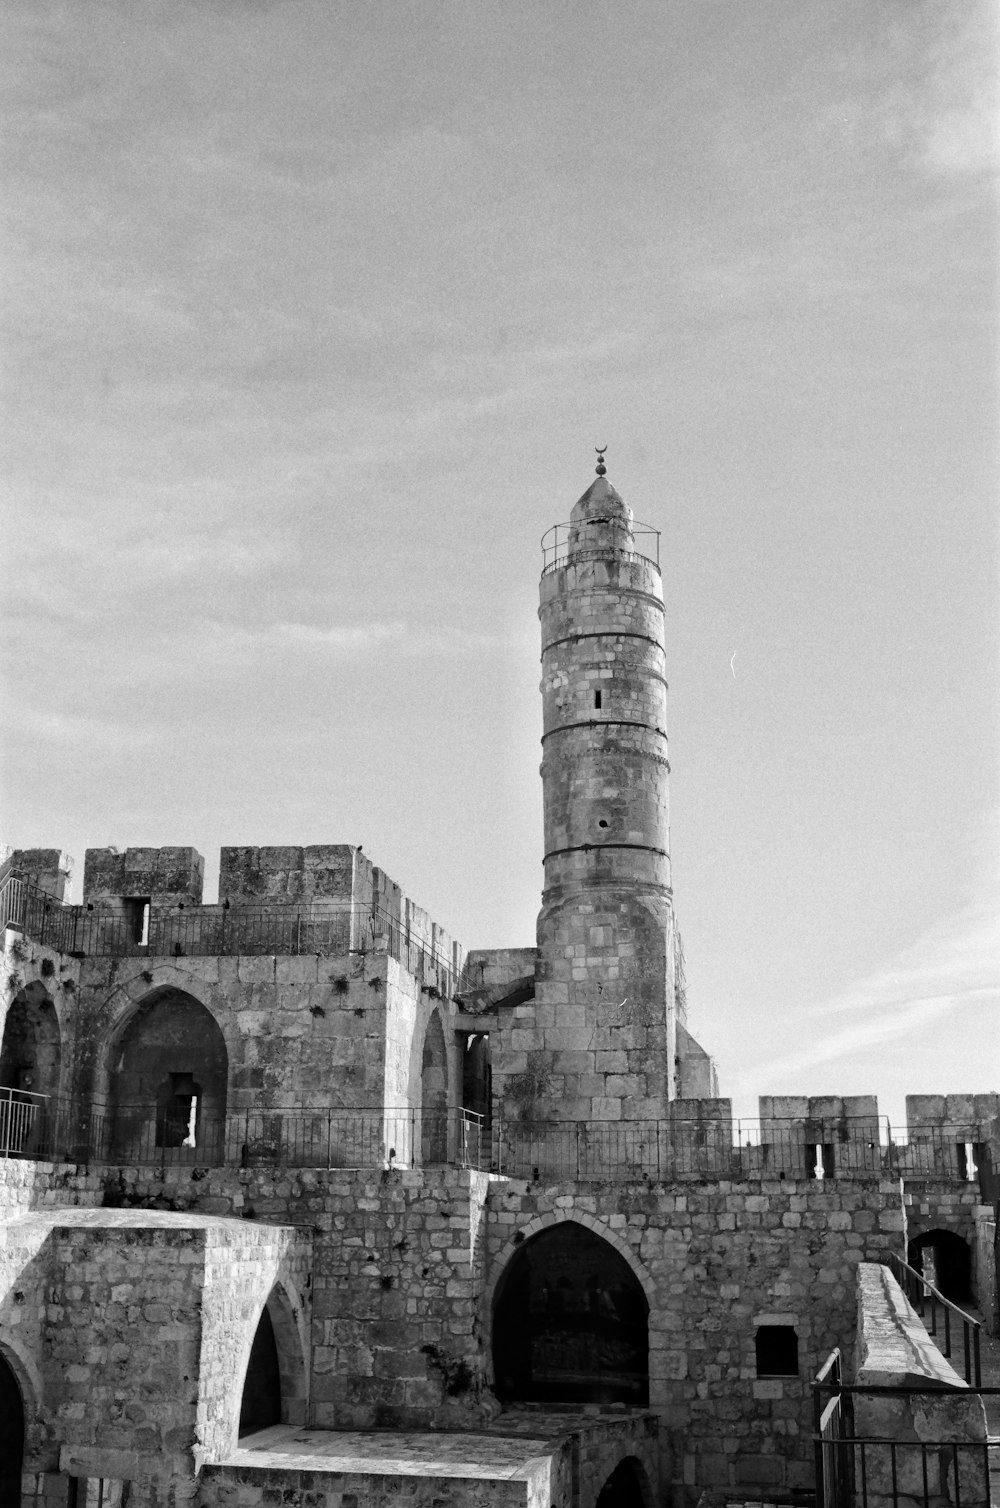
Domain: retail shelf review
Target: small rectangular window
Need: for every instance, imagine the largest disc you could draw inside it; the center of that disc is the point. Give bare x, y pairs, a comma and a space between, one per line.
597, 700
777, 1351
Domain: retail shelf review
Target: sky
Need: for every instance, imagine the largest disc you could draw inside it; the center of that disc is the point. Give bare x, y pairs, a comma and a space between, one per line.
314, 313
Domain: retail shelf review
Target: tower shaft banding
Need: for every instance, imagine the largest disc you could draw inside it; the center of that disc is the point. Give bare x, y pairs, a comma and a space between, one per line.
601, 1040
604, 768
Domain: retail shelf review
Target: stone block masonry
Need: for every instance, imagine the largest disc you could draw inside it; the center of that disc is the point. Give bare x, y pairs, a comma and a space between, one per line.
140, 1324
397, 1337
717, 1261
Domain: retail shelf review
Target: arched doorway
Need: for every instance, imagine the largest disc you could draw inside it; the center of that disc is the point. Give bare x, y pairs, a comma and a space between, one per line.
30, 1055
434, 1093
274, 1386
261, 1405
11, 1436
945, 1260
570, 1323
626, 1487
169, 1074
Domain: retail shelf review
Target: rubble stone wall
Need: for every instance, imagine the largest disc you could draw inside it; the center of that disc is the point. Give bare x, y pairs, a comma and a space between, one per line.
718, 1260
130, 1330
396, 1321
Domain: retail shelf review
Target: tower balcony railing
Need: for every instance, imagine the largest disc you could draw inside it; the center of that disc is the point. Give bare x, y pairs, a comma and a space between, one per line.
326, 928
323, 1136
48, 1129
556, 546
742, 1150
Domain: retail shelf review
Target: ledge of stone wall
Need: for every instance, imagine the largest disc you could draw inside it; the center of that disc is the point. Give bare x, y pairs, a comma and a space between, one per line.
894, 1349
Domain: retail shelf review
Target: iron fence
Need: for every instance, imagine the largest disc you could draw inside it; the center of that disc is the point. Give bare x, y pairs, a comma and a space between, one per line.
678, 1147
858, 1470
538, 1151
22, 1119
924, 1296
289, 1137
326, 928
556, 546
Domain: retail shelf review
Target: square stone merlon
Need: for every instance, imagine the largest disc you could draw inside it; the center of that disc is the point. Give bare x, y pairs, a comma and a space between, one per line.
163, 876
286, 874
48, 869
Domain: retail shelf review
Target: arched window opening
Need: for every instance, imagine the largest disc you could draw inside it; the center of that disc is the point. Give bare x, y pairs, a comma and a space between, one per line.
11, 1435
477, 1088
624, 1487
261, 1406
570, 1324
30, 1054
945, 1260
275, 1388
169, 1073
777, 1351
434, 1093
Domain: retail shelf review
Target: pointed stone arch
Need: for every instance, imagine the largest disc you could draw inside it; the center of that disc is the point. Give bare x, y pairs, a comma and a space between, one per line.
163, 1078
627, 1486
434, 1091
12, 1432
274, 1387
579, 1217
30, 1068
570, 1320
20, 1391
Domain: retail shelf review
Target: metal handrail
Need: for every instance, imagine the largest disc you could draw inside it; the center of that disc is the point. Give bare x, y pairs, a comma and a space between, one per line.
843, 1459
291, 929
556, 545
916, 1286
678, 1147
146, 1134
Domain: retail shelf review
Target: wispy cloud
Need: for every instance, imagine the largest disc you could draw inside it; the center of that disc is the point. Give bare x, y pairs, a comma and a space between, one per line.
955, 966
944, 118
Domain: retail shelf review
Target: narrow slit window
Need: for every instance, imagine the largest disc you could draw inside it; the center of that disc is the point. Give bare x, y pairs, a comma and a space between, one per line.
597, 700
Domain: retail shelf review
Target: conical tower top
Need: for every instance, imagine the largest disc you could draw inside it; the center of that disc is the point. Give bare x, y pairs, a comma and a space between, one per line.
601, 503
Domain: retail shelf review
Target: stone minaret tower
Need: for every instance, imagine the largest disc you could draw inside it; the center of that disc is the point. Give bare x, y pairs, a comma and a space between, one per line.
603, 1038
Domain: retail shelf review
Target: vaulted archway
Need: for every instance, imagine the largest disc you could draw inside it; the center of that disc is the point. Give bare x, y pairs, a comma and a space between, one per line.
626, 1487
570, 1322
945, 1260
274, 1384
169, 1072
11, 1435
30, 1060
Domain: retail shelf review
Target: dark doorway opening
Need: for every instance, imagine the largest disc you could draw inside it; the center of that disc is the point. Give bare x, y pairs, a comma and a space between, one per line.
261, 1404
623, 1489
945, 1260
11, 1437
570, 1323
